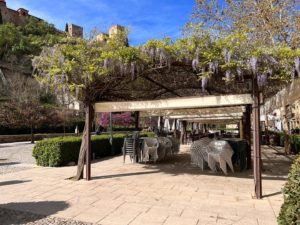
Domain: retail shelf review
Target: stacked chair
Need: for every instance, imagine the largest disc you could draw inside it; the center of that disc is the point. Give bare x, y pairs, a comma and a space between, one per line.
150, 149
129, 149
211, 152
220, 152
199, 149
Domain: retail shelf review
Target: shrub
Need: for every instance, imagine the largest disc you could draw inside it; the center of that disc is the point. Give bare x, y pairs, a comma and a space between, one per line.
5, 130
290, 210
294, 140
60, 151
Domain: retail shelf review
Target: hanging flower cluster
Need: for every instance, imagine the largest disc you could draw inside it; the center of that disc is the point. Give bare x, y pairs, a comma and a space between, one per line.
73, 66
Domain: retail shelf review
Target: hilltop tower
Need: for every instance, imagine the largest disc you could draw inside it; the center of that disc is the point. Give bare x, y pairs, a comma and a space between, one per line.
102, 37
118, 29
2, 3
115, 29
75, 31
23, 12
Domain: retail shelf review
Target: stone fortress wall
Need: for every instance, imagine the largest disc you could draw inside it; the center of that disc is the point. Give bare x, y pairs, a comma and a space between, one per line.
19, 18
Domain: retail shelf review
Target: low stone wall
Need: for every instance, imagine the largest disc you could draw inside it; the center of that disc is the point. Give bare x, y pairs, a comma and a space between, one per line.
27, 137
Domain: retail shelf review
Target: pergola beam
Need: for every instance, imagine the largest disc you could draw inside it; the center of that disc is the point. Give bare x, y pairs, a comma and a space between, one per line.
175, 103
216, 120
201, 111
200, 116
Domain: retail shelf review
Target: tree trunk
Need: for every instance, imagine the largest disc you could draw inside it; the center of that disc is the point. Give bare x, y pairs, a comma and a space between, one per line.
64, 125
32, 133
84, 144
287, 144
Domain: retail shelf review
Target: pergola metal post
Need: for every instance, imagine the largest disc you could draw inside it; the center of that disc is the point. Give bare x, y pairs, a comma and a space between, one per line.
88, 143
247, 132
183, 137
161, 124
111, 133
136, 120
175, 126
256, 140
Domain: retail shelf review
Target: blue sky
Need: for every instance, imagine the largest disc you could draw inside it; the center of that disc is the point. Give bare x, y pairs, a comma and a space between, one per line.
146, 18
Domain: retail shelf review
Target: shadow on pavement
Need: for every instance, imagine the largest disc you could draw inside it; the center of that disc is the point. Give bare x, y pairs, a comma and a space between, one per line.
272, 194
124, 175
12, 182
181, 164
28, 212
9, 163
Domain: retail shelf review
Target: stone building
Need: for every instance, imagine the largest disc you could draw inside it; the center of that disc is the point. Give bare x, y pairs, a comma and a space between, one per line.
74, 30
113, 30
19, 18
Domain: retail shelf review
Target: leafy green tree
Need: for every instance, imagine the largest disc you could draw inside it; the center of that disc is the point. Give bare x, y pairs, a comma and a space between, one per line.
19, 43
37, 27
266, 22
86, 70
24, 108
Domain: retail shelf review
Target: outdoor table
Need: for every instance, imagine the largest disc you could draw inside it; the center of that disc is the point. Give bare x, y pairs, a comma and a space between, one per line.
240, 148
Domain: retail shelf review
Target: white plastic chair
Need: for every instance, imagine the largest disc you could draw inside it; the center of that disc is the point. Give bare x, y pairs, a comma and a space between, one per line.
150, 149
199, 152
220, 152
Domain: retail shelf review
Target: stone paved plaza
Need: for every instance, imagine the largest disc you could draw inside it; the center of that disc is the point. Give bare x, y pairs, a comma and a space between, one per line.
169, 193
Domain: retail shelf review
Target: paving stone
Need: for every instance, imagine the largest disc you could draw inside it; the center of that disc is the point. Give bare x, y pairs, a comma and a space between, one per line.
171, 192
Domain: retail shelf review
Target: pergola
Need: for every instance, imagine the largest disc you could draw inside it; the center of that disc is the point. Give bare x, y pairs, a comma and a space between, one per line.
216, 108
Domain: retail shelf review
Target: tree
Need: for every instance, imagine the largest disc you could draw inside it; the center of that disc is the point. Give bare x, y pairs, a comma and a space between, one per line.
87, 70
267, 22
1, 19
120, 119
67, 28
23, 107
19, 43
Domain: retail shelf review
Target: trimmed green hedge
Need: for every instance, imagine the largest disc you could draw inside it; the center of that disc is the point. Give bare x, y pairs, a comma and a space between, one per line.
7, 130
290, 210
60, 151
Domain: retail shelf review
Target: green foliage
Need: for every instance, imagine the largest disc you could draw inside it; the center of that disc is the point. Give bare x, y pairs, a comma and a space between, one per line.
290, 210
55, 152
84, 66
18, 41
38, 28
294, 140
11, 41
